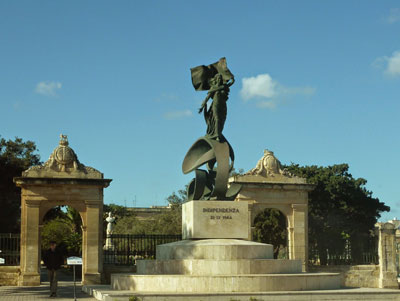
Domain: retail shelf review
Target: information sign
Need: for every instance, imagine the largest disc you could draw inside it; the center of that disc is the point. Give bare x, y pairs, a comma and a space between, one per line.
74, 260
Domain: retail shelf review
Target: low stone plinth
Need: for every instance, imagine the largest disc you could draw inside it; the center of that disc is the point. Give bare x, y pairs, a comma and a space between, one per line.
215, 219
224, 283
9, 275
217, 249
356, 294
218, 267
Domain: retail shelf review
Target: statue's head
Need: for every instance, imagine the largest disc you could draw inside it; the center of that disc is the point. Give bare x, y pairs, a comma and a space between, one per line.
216, 80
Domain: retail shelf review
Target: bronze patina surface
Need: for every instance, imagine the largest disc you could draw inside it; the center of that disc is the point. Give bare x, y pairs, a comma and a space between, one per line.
213, 150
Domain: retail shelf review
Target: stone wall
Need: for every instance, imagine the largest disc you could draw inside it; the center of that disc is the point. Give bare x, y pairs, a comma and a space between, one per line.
352, 276
9, 275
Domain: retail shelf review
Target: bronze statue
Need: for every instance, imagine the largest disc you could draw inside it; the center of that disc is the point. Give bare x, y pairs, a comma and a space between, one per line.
216, 79
212, 150
215, 116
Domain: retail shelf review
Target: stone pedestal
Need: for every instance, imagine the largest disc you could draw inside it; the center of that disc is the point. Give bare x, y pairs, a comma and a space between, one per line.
213, 260
387, 256
215, 219
218, 266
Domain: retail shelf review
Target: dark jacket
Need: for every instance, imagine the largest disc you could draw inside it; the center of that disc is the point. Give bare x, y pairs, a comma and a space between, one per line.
53, 259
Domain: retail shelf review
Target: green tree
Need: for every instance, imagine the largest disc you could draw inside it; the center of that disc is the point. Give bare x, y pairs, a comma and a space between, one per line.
340, 208
15, 156
74, 218
63, 225
270, 227
116, 210
62, 231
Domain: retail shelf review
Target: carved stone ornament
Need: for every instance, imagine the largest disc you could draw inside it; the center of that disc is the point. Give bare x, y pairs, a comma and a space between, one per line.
269, 166
63, 163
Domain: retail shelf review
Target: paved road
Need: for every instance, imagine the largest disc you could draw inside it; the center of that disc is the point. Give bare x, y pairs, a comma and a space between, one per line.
65, 290
28, 293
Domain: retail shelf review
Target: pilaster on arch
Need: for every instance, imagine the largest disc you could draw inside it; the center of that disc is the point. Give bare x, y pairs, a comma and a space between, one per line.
62, 180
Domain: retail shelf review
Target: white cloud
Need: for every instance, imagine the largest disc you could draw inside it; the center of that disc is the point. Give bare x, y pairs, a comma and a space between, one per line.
391, 64
172, 115
261, 85
268, 91
48, 88
394, 16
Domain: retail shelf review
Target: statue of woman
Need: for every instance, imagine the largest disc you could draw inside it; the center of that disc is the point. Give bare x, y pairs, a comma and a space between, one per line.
215, 116
110, 220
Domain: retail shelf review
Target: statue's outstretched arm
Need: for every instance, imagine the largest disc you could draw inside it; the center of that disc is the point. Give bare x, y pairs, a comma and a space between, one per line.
213, 89
203, 105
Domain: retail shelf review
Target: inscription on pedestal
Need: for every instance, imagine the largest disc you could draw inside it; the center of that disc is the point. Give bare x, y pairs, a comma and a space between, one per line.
215, 219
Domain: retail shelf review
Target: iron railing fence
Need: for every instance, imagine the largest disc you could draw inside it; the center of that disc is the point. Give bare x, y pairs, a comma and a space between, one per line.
9, 248
126, 248
368, 255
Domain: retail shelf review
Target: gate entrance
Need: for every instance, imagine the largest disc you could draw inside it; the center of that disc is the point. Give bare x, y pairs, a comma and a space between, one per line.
268, 186
62, 180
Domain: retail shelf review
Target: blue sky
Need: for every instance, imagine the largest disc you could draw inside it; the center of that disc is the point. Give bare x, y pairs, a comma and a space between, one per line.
317, 82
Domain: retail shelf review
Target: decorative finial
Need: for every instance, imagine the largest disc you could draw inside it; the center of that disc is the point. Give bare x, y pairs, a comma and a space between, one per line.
63, 140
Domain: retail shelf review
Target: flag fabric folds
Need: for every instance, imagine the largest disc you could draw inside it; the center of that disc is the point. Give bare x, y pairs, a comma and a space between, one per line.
202, 74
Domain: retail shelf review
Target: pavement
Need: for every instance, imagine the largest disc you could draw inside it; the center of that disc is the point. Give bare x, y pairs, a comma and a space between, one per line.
27, 293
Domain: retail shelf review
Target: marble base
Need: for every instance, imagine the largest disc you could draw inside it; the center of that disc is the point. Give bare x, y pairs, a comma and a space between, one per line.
217, 267
215, 219
220, 266
224, 283
217, 249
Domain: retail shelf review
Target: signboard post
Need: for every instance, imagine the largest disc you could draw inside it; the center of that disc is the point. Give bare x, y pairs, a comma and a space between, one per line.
74, 261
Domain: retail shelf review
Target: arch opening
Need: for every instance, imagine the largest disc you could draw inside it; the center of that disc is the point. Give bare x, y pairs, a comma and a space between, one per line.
270, 226
64, 225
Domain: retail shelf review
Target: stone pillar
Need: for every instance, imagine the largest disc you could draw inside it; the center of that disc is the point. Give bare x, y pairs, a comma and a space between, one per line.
299, 238
251, 228
30, 252
92, 239
387, 255
290, 238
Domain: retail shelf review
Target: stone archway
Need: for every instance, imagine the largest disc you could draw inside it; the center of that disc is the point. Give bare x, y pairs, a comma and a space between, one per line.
62, 180
268, 186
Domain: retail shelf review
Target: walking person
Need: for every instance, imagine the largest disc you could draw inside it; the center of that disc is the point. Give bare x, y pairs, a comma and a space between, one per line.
53, 259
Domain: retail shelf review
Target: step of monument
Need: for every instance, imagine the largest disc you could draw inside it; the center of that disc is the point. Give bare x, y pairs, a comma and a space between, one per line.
105, 293
225, 283
218, 267
219, 249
